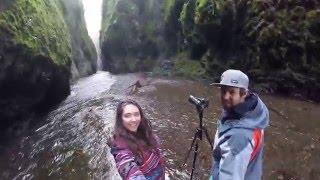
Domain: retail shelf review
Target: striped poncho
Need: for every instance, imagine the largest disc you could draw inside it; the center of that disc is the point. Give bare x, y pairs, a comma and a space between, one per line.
148, 166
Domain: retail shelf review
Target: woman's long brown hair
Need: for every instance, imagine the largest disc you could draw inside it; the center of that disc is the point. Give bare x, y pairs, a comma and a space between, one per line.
143, 136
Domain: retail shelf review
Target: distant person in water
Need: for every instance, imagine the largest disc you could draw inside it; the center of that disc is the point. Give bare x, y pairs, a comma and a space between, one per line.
142, 81
136, 149
135, 87
239, 139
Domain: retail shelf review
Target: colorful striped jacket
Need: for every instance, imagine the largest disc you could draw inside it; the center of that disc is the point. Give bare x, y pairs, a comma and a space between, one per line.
150, 166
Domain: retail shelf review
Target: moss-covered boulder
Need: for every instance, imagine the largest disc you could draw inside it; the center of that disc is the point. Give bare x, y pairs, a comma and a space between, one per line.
130, 35
35, 58
44, 43
84, 55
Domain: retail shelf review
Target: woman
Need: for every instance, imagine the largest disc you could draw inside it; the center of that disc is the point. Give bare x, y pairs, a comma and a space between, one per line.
135, 148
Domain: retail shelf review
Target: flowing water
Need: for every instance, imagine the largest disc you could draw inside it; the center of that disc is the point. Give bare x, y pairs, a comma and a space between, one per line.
71, 143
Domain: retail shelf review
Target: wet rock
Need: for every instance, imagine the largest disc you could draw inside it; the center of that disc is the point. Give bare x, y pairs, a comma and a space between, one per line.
39, 42
84, 55
130, 35
280, 177
35, 51
167, 65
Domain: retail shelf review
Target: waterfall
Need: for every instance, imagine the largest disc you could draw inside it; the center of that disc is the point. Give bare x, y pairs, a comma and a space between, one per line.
93, 16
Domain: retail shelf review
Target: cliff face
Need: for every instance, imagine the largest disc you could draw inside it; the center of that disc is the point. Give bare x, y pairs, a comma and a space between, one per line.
40, 41
84, 55
275, 42
130, 35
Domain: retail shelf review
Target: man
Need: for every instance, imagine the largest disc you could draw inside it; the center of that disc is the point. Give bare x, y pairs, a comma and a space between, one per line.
238, 144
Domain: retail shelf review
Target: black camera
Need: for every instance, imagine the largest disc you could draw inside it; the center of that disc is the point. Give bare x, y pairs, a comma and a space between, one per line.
199, 102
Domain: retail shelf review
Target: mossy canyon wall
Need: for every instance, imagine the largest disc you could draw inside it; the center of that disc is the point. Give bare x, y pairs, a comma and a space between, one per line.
44, 43
277, 43
131, 35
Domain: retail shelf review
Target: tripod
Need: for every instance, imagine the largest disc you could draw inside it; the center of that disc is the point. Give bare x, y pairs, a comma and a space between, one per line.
198, 136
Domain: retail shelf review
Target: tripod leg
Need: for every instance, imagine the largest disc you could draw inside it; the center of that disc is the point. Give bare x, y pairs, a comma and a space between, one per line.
194, 159
208, 137
191, 146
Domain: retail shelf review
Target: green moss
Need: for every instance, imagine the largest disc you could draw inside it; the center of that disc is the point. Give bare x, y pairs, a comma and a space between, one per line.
167, 8
187, 20
188, 68
201, 5
84, 54
131, 32
313, 14
108, 16
269, 36
183, 13
39, 26
206, 10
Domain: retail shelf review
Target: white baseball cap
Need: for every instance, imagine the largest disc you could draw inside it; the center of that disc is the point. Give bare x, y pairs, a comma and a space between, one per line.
234, 78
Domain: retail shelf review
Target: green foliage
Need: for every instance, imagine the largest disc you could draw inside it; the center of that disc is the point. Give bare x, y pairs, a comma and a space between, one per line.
188, 68
206, 11
288, 32
167, 8
281, 37
38, 26
285, 38
186, 18
258, 37
192, 39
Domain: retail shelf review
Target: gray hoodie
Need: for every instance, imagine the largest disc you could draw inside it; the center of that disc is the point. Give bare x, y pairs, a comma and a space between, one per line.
239, 140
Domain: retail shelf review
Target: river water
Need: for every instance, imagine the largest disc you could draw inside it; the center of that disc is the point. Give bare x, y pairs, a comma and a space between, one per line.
71, 143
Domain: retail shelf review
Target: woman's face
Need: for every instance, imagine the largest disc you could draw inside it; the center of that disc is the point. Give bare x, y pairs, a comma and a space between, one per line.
131, 117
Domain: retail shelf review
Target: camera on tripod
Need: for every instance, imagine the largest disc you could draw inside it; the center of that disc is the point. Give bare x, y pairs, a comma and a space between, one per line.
201, 104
